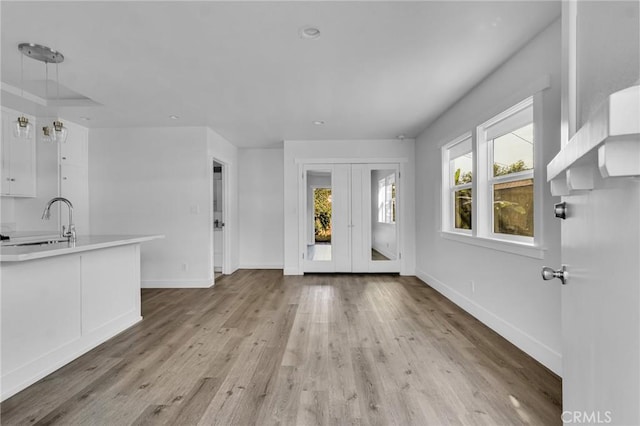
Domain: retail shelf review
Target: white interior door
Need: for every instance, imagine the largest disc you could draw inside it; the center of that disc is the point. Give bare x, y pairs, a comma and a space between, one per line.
325, 218
375, 217
362, 234
601, 232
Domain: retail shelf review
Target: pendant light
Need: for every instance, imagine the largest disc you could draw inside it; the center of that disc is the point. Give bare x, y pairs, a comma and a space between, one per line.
48, 134
22, 127
60, 131
57, 133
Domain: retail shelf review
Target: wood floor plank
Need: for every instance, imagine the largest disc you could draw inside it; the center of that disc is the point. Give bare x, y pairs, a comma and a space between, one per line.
260, 348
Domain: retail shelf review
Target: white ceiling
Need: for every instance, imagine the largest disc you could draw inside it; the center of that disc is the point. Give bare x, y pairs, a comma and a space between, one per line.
379, 69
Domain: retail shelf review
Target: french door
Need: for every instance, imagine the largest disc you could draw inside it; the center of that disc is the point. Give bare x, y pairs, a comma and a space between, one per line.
349, 219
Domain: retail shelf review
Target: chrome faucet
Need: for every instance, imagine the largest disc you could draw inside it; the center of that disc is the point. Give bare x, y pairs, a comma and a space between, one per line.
70, 232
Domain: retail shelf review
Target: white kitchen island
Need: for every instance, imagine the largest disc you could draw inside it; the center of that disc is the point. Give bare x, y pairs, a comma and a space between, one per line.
61, 300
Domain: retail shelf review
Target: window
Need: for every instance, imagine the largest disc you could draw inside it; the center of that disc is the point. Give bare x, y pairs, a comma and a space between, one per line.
458, 159
488, 179
509, 141
387, 199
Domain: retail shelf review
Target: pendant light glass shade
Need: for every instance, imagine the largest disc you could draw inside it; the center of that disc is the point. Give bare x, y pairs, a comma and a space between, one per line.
48, 135
22, 128
60, 132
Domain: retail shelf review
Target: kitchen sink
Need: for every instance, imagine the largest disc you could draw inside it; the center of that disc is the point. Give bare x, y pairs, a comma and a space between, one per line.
34, 243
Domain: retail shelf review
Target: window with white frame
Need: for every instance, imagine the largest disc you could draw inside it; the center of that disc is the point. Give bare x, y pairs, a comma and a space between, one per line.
508, 141
387, 199
488, 178
458, 182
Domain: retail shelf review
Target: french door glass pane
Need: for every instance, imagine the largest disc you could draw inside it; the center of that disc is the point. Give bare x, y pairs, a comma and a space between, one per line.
319, 217
513, 208
384, 244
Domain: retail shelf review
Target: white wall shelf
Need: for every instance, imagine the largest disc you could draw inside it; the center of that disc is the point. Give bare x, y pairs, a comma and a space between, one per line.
609, 143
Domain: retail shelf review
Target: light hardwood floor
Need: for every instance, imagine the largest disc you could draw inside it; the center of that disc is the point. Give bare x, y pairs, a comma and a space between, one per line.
260, 348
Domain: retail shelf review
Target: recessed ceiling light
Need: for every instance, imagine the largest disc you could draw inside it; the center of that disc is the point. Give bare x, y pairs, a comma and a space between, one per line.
85, 118
309, 32
318, 122
174, 117
401, 137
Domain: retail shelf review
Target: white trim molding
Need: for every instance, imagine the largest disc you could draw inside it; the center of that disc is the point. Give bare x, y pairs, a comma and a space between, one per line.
609, 143
177, 283
261, 266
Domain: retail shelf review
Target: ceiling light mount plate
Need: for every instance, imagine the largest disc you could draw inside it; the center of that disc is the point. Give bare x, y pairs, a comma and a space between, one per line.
41, 53
309, 32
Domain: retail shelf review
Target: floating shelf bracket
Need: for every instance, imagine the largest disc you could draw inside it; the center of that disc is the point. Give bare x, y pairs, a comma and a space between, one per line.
609, 143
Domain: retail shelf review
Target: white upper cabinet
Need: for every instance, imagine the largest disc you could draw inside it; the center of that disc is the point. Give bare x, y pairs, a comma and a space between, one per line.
74, 150
74, 179
18, 158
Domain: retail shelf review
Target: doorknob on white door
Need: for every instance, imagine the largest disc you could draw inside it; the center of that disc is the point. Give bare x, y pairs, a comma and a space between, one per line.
560, 210
550, 273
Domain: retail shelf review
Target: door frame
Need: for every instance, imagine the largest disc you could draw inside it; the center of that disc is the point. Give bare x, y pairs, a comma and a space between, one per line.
303, 163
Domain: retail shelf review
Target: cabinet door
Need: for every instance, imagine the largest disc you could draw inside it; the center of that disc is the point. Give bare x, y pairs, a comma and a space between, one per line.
74, 187
74, 150
5, 157
18, 159
22, 167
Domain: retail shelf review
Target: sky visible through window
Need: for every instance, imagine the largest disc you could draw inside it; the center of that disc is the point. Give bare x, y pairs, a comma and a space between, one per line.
514, 146
464, 163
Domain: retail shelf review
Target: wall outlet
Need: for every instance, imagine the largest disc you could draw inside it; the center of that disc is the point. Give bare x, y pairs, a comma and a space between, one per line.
185, 267
195, 209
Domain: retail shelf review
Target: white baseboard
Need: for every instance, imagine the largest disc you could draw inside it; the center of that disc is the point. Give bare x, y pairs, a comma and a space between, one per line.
261, 266
26, 375
291, 271
176, 283
528, 344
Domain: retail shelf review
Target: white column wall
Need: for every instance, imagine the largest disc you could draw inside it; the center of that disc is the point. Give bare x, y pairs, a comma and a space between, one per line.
159, 181
261, 233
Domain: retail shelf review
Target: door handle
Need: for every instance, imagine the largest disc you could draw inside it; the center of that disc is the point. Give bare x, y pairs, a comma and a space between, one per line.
560, 210
550, 273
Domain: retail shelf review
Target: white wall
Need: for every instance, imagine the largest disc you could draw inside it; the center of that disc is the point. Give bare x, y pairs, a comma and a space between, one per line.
356, 151
507, 293
157, 181
261, 233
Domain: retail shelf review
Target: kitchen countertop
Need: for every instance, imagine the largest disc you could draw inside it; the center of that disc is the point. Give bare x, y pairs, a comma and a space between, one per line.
83, 243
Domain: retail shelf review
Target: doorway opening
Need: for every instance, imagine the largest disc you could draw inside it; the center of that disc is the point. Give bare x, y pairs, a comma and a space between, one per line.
218, 217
